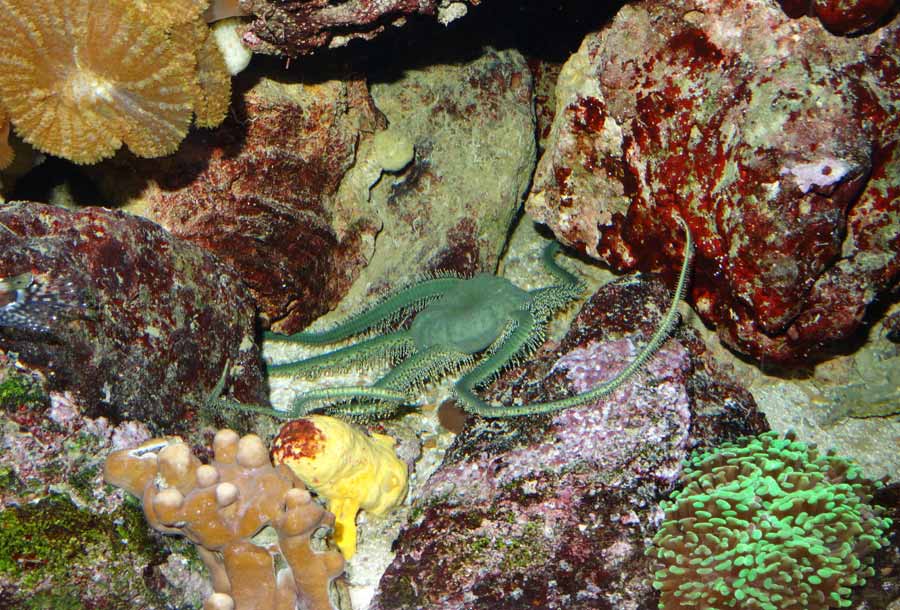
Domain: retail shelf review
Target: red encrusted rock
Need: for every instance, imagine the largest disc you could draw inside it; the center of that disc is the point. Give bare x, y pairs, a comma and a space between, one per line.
782, 151
841, 16
165, 315
259, 192
299, 27
554, 512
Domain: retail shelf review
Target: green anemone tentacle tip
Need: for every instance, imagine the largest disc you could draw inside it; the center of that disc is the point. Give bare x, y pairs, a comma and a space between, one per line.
801, 536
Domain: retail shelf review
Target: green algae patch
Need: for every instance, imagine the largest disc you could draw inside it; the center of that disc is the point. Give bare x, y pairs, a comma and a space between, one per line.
17, 390
53, 548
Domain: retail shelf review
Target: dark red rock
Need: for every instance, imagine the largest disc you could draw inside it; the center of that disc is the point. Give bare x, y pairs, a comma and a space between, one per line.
841, 16
779, 150
545, 75
554, 512
165, 316
259, 192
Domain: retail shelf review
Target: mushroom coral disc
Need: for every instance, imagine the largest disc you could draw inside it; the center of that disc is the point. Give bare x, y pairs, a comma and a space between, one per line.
172, 12
80, 77
6, 151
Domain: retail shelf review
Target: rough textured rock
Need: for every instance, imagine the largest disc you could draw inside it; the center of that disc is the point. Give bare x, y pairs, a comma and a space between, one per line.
781, 150
842, 16
67, 540
259, 192
165, 316
299, 27
307, 190
472, 125
554, 512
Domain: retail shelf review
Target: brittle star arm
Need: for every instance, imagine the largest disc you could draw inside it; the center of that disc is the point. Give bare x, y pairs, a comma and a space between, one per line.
380, 313
397, 387
378, 348
516, 340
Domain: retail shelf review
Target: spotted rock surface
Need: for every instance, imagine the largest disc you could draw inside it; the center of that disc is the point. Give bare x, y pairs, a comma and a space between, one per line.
554, 512
782, 152
165, 316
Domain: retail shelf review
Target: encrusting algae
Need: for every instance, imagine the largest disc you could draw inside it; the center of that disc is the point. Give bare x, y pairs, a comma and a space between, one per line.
78, 78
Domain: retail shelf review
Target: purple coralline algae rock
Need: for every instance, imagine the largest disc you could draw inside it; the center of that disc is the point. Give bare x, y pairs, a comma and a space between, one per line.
68, 539
299, 27
165, 316
778, 142
555, 512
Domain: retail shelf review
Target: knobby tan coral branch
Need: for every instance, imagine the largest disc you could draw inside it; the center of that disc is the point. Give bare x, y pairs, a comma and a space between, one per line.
221, 506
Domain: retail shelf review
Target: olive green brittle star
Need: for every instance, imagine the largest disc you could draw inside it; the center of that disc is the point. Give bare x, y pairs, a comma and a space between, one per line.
480, 325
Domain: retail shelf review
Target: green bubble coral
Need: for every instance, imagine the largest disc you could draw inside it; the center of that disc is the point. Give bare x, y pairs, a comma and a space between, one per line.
767, 523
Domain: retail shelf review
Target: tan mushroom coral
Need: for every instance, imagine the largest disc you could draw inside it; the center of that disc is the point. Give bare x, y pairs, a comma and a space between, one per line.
168, 13
6, 151
185, 20
80, 77
222, 506
214, 92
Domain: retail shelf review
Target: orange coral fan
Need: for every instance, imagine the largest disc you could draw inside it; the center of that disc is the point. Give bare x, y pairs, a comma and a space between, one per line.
6, 151
79, 77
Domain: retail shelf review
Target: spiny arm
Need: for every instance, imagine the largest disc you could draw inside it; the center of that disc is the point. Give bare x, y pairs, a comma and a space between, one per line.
391, 391
373, 350
472, 403
558, 271
378, 314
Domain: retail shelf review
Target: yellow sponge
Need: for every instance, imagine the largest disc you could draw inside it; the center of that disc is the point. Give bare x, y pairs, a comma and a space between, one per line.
349, 468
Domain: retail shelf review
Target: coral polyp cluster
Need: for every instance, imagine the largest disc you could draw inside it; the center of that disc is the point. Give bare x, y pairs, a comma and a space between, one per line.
768, 523
79, 78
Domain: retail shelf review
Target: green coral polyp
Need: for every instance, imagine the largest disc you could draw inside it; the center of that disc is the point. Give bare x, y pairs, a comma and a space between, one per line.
767, 523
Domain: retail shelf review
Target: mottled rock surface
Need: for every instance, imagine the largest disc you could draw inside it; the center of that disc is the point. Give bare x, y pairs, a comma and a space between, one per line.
472, 126
449, 209
165, 316
781, 150
259, 192
299, 27
309, 188
67, 540
555, 512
